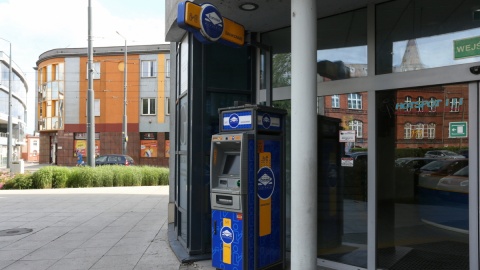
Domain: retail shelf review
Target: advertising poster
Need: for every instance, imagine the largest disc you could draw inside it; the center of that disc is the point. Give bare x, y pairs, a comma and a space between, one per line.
80, 144
148, 144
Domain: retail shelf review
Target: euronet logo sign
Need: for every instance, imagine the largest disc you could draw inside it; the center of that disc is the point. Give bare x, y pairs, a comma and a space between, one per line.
211, 24
208, 25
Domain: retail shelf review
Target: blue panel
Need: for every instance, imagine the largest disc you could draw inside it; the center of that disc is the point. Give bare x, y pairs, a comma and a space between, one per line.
251, 202
269, 121
237, 120
269, 250
217, 242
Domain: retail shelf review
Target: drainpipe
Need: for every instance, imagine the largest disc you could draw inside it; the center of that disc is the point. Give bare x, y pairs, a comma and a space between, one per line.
304, 135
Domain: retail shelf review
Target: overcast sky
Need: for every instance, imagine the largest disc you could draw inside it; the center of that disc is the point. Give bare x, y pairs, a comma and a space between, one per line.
36, 26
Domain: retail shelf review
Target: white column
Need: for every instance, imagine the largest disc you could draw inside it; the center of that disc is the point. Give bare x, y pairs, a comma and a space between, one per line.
304, 135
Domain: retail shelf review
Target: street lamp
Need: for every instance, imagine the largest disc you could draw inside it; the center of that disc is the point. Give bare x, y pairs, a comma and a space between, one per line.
124, 125
9, 126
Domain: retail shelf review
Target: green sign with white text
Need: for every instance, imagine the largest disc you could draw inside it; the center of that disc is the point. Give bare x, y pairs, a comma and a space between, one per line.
458, 130
468, 47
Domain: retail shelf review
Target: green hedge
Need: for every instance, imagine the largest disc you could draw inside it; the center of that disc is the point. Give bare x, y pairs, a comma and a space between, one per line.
102, 176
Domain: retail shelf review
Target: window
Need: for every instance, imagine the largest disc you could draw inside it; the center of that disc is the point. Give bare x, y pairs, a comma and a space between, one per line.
355, 101
408, 103
357, 126
167, 68
431, 131
455, 104
419, 129
49, 73
58, 72
149, 68
96, 71
408, 131
167, 106
432, 106
335, 101
420, 106
148, 106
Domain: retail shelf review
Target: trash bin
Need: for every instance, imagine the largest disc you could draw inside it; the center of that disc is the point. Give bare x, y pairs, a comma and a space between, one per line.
18, 166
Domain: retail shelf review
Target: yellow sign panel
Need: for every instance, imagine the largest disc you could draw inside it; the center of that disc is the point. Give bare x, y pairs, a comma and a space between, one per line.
265, 159
192, 14
233, 32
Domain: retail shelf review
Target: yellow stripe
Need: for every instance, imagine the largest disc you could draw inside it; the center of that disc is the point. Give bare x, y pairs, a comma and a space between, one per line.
227, 248
265, 207
265, 226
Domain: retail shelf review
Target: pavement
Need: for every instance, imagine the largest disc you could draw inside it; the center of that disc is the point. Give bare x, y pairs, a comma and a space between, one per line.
87, 228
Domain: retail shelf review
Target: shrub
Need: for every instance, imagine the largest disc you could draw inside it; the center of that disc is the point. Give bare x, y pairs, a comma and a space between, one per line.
149, 176
60, 176
43, 178
81, 177
20, 181
163, 177
102, 176
131, 175
117, 176
104, 173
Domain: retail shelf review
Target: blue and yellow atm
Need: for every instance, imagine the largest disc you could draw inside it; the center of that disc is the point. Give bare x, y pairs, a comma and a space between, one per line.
247, 182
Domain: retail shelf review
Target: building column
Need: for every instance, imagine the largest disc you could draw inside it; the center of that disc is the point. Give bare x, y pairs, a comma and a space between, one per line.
304, 135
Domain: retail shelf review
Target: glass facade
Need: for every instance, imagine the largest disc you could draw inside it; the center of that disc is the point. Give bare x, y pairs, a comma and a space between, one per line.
341, 50
423, 205
421, 34
51, 97
422, 212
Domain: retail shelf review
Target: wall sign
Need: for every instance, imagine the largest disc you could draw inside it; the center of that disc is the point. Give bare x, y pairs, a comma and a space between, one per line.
207, 24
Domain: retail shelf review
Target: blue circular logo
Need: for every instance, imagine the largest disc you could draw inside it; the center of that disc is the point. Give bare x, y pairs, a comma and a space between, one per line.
265, 183
234, 120
226, 234
211, 22
266, 121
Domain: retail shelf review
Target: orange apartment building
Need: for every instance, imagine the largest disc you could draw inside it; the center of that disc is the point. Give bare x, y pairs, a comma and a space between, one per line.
62, 103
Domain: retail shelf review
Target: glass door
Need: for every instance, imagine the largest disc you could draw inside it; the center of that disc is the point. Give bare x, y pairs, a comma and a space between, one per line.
422, 161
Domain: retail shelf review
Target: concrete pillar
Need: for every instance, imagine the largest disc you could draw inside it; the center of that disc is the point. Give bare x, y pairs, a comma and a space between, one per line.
304, 135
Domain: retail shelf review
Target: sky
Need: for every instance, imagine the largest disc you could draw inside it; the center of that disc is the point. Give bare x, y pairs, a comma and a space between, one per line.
36, 26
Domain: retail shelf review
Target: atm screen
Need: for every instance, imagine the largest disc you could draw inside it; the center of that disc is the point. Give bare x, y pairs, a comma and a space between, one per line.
232, 164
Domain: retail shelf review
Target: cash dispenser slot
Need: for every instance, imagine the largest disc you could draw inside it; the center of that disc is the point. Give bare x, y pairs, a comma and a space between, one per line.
224, 200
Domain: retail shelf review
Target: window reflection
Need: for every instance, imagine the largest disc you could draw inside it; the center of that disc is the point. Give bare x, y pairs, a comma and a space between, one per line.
422, 34
422, 179
341, 49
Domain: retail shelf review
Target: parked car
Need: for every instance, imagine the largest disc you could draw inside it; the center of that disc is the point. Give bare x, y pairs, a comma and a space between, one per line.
412, 163
406, 176
463, 152
457, 182
442, 154
434, 171
113, 159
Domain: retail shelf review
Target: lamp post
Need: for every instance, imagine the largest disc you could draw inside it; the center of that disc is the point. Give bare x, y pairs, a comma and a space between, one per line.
9, 126
124, 124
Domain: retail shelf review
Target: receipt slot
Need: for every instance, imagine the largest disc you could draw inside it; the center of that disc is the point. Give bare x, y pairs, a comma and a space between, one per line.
247, 182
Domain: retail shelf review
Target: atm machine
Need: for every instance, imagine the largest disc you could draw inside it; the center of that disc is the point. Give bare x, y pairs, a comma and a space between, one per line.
247, 185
